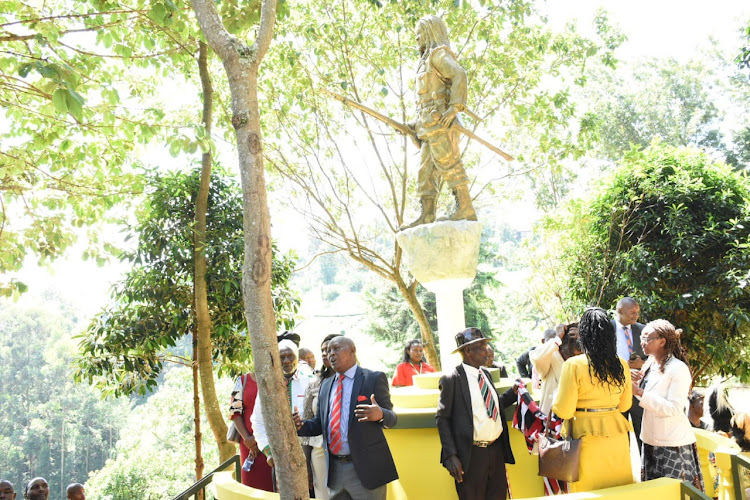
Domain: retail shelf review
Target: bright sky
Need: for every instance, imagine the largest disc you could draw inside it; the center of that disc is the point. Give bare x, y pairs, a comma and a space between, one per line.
663, 28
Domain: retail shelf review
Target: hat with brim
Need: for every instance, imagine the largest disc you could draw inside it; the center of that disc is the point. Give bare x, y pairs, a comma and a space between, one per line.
467, 337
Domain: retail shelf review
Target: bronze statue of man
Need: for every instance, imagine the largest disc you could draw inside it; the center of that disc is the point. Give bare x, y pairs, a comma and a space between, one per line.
440, 95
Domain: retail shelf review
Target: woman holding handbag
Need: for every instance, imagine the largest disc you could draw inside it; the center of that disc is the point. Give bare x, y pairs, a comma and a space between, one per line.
669, 447
594, 390
240, 410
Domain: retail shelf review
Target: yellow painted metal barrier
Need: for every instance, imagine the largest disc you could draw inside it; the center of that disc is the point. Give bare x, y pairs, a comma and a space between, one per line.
711, 442
657, 489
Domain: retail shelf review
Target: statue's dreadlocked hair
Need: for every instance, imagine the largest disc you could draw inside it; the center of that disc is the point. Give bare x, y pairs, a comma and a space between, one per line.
673, 347
435, 32
599, 343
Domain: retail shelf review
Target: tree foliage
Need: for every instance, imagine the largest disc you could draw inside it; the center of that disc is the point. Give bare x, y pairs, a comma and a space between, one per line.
152, 462
743, 56
669, 229
51, 427
126, 345
351, 176
649, 99
74, 118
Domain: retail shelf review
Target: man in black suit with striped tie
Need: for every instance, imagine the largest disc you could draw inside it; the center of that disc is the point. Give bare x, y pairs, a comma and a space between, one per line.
353, 409
470, 421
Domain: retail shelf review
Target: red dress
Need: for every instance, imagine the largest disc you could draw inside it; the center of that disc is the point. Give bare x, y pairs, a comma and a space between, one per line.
260, 475
406, 371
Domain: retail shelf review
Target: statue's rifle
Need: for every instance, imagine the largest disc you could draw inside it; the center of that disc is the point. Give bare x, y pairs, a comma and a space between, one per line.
401, 127
408, 131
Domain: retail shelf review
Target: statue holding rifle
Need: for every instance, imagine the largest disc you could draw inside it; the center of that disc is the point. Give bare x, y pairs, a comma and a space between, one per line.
440, 96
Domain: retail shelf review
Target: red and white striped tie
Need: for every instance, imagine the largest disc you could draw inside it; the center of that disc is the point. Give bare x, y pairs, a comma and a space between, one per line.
335, 443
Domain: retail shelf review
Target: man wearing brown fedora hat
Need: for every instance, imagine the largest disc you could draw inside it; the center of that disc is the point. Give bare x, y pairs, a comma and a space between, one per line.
473, 431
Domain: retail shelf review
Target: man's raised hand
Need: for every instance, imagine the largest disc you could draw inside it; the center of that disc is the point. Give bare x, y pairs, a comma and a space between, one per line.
371, 413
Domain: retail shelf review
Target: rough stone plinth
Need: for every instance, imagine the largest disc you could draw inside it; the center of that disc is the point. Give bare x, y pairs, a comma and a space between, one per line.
442, 250
443, 256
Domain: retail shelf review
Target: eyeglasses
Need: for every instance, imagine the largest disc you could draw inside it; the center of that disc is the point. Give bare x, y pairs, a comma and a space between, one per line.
646, 340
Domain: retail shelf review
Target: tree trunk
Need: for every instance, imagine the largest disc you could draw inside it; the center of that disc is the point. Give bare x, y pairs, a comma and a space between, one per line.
202, 315
428, 340
197, 437
241, 65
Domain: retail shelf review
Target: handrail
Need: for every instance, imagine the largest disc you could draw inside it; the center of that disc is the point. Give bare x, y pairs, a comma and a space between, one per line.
201, 484
688, 491
739, 461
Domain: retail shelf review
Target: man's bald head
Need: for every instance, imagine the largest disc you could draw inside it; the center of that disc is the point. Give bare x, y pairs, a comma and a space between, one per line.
7, 491
342, 354
75, 492
628, 311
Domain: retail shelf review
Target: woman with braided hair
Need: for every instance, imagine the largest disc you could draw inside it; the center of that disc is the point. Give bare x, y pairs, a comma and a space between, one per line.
669, 448
595, 389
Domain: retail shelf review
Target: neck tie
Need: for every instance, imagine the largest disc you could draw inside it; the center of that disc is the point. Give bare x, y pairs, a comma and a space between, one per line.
489, 403
335, 424
629, 339
288, 382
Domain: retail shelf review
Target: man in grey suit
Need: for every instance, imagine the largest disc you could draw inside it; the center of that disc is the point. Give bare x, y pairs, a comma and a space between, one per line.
353, 409
628, 332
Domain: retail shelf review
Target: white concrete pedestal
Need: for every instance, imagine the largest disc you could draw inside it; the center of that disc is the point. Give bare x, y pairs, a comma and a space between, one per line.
443, 257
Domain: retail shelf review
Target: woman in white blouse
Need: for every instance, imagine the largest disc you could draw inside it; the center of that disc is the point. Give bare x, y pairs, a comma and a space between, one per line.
669, 448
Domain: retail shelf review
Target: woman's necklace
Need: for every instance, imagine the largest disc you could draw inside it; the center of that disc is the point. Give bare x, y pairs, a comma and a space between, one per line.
415, 369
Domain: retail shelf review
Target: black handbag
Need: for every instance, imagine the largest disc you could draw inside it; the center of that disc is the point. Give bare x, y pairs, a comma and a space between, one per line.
233, 435
559, 458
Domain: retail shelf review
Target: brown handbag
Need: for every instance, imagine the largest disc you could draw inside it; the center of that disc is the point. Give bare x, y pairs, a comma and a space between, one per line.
559, 458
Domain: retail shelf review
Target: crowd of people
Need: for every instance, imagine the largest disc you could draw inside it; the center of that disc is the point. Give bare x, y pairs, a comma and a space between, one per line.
38, 489
598, 379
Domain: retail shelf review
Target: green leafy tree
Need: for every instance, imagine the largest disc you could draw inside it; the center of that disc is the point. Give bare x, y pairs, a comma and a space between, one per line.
743, 56
76, 116
669, 229
241, 62
51, 427
125, 347
81, 87
350, 174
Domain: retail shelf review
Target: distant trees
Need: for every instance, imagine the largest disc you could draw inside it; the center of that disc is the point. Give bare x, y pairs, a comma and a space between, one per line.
50, 426
152, 458
653, 98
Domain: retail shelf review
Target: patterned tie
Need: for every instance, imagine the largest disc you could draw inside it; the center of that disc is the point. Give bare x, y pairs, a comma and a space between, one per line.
489, 403
629, 339
288, 382
336, 444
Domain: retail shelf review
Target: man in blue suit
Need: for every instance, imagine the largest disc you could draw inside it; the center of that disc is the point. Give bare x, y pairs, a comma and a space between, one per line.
353, 409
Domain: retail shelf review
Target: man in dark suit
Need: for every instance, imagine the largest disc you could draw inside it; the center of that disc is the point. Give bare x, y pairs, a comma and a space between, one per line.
470, 421
628, 333
353, 409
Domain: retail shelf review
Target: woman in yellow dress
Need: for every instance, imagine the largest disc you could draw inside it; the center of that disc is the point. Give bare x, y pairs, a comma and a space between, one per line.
594, 391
